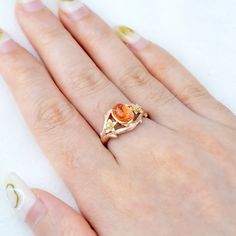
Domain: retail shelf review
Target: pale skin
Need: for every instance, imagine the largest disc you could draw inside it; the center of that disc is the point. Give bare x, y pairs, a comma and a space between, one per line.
175, 174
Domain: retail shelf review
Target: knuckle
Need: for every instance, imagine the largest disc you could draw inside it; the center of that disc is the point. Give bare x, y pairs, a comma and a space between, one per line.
99, 34
134, 77
26, 76
88, 82
163, 65
53, 113
161, 96
192, 93
48, 35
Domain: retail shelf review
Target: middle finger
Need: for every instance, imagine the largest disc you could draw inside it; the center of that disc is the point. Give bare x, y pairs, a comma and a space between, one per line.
73, 71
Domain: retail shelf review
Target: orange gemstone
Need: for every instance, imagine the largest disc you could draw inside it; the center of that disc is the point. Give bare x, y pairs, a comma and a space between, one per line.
122, 113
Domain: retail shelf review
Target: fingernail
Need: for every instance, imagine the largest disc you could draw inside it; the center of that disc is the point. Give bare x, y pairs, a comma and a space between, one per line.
28, 208
6, 43
31, 5
130, 37
75, 9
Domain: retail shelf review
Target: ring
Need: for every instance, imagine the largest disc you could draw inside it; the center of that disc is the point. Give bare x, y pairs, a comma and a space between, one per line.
121, 119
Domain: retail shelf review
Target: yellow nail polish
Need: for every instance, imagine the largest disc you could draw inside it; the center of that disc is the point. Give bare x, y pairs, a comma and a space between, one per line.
131, 37
127, 34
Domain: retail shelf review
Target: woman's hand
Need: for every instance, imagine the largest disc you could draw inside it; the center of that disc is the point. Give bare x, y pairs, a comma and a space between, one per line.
175, 174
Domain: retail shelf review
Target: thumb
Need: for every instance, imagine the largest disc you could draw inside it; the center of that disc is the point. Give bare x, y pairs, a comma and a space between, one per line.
45, 214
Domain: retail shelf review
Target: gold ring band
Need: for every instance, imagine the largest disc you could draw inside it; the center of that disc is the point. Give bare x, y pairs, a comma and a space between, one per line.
121, 119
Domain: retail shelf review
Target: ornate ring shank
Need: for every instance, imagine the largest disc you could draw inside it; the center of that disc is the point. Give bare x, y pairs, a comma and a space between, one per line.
121, 119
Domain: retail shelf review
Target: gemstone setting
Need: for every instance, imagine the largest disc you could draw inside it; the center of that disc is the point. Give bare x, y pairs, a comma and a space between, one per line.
121, 119
110, 126
123, 114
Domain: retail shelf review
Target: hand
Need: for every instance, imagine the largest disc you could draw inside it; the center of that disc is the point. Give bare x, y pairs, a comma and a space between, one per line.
174, 174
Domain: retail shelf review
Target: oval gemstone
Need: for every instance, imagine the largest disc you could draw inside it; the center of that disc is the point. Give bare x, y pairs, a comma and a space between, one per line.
122, 113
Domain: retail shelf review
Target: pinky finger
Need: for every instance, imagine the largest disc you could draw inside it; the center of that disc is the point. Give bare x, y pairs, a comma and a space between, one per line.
45, 214
176, 78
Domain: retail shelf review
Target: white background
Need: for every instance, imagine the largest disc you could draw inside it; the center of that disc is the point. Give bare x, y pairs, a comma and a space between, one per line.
201, 34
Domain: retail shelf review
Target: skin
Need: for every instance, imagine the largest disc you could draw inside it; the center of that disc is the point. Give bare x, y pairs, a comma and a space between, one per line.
173, 175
